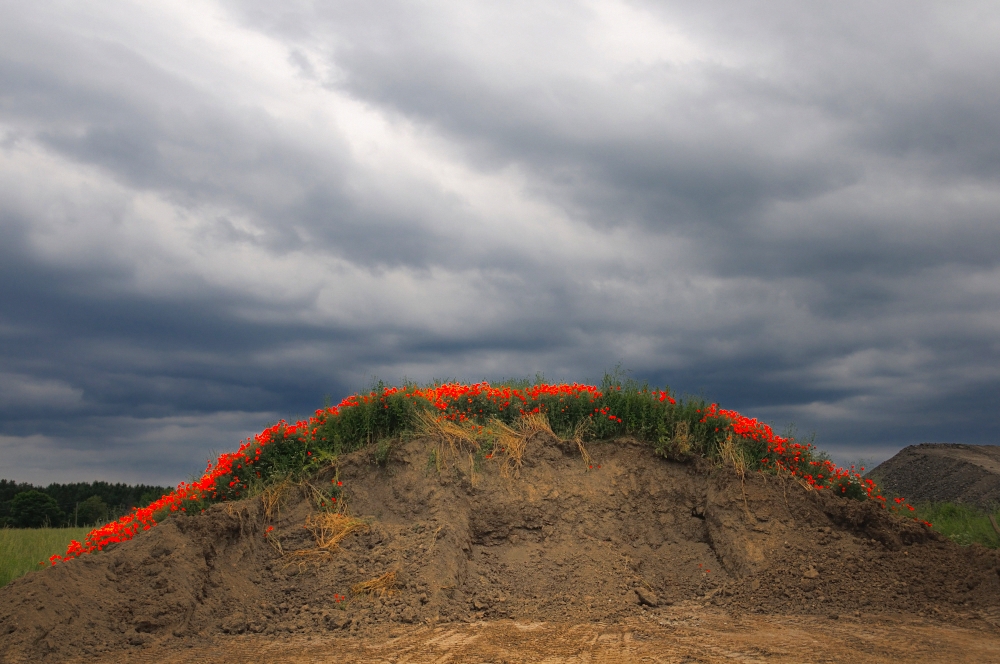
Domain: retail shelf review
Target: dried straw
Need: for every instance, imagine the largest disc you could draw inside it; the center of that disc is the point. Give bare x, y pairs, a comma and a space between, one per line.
380, 585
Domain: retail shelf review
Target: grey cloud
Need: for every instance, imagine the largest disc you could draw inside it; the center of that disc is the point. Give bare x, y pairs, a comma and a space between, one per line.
796, 218
844, 95
171, 136
20, 391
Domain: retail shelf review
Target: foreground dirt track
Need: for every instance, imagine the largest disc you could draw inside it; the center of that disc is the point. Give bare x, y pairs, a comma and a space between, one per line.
622, 557
680, 634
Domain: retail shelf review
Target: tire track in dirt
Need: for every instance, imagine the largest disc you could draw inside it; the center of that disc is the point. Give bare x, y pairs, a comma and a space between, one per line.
682, 634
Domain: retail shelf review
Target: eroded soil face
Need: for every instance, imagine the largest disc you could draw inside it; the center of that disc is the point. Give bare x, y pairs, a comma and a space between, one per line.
679, 559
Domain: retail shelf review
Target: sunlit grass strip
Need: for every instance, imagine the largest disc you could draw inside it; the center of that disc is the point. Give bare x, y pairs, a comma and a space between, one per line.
22, 549
961, 523
676, 429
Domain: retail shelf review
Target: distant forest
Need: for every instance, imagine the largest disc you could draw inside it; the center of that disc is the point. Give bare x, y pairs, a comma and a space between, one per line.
76, 504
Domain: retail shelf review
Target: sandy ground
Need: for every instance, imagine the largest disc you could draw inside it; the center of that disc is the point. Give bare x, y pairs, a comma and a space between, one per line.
675, 634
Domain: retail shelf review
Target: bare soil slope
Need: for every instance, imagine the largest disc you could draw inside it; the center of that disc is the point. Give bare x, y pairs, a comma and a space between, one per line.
559, 543
938, 472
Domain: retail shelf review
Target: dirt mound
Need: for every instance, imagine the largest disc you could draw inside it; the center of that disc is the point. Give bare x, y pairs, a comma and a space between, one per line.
937, 472
554, 540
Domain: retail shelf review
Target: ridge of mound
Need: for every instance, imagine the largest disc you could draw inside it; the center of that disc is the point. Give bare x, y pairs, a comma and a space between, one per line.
482, 416
939, 472
434, 539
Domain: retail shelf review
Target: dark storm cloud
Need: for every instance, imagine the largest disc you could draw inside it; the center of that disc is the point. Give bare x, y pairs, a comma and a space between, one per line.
212, 216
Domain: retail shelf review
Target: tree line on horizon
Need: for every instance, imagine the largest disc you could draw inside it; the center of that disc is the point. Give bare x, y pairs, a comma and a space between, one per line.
24, 505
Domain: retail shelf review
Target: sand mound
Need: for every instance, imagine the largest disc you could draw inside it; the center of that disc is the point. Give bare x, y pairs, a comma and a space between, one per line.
936, 472
550, 540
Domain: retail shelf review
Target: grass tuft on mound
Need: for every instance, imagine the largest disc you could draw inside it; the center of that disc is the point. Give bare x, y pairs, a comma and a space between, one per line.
483, 419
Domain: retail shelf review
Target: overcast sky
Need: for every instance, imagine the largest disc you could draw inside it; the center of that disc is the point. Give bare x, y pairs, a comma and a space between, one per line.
212, 214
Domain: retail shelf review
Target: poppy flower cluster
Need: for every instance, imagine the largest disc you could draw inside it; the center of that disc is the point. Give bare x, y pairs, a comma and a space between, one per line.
459, 403
229, 477
801, 460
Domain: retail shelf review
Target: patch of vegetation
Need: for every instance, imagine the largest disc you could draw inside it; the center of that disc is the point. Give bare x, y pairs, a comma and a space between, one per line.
963, 524
23, 550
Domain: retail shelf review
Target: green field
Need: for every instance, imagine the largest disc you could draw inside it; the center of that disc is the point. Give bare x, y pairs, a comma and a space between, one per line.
21, 549
961, 523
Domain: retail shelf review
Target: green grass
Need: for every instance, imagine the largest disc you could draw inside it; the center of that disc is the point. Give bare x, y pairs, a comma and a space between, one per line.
960, 523
21, 549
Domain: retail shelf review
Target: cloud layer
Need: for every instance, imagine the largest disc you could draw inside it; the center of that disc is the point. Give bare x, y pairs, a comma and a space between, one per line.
212, 216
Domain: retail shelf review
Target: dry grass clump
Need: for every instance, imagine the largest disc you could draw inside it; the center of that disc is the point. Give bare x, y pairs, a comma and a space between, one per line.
733, 455
380, 585
578, 433
512, 442
736, 456
505, 444
680, 446
328, 529
273, 497
508, 448
451, 440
